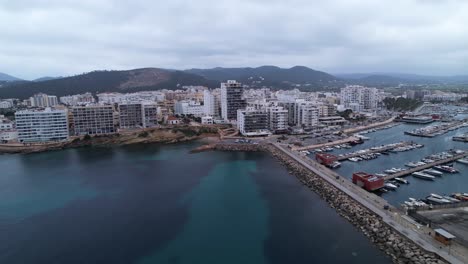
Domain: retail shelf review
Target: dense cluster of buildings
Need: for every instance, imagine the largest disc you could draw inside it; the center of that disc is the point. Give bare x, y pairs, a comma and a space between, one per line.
255, 112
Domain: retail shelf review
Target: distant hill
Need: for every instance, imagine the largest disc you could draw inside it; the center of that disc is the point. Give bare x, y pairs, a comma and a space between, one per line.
9, 78
107, 81
267, 75
399, 78
46, 78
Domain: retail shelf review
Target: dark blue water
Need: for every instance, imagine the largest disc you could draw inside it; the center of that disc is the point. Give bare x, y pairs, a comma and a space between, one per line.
159, 204
417, 188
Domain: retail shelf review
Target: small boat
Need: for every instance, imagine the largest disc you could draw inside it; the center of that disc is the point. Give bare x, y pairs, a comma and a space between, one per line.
401, 180
411, 164
390, 186
433, 172
355, 159
335, 165
446, 168
463, 161
460, 196
434, 200
423, 176
451, 199
390, 171
436, 196
381, 174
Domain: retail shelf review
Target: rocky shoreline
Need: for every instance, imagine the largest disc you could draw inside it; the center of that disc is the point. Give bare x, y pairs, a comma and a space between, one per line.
156, 135
395, 245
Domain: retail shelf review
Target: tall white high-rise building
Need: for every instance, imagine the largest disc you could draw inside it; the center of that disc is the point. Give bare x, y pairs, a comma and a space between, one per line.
231, 99
42, 125
212, 102
277, 119
43, 100
307, 114
366, 97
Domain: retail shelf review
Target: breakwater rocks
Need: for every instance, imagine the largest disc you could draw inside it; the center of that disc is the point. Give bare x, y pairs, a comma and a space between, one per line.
400, 249
239, 147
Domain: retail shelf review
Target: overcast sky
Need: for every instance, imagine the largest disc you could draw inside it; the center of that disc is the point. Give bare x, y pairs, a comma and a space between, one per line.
66, 37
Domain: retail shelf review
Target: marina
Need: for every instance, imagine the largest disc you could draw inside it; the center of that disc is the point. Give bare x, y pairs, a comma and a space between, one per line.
438, 129
374, 152
419, 166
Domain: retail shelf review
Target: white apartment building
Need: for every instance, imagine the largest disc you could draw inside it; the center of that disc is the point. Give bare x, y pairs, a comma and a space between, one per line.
231, 99
42, 125
207, 120
6, 104
77, 99
277, 119
306, 114
186, 107
212, 102
251, 122
366, 97
5, 123
43, 100
93, 120
150, 115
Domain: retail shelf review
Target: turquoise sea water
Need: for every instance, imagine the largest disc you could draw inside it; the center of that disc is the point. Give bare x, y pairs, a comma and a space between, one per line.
160, 204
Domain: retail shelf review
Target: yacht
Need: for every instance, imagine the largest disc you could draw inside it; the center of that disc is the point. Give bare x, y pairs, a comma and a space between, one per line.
401, 180
446, 168
463, 161
411, 164
390, 186
433, 172
423, 176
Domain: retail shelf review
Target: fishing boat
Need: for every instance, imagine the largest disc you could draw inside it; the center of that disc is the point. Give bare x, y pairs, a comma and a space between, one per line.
446, 168
423, 176
433, 172
463, 161
401, 180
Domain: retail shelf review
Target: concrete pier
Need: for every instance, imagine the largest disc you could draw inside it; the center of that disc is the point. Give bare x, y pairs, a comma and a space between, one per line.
426, 166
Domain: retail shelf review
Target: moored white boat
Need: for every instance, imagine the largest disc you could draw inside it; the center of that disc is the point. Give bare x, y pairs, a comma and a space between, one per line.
423, 176
433, 172
463, 161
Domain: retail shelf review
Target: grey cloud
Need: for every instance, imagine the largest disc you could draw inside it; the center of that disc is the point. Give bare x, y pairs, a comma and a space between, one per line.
67, 37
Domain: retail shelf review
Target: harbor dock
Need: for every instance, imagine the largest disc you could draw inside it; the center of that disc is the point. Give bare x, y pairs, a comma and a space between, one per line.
434, 130
374, 150
426, 166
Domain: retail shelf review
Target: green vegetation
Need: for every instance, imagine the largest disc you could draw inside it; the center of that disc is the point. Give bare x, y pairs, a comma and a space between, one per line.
143, 134
401, 104
87, 137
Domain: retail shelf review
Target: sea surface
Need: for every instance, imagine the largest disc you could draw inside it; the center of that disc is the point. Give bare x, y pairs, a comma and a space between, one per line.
160, 204
418, 188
